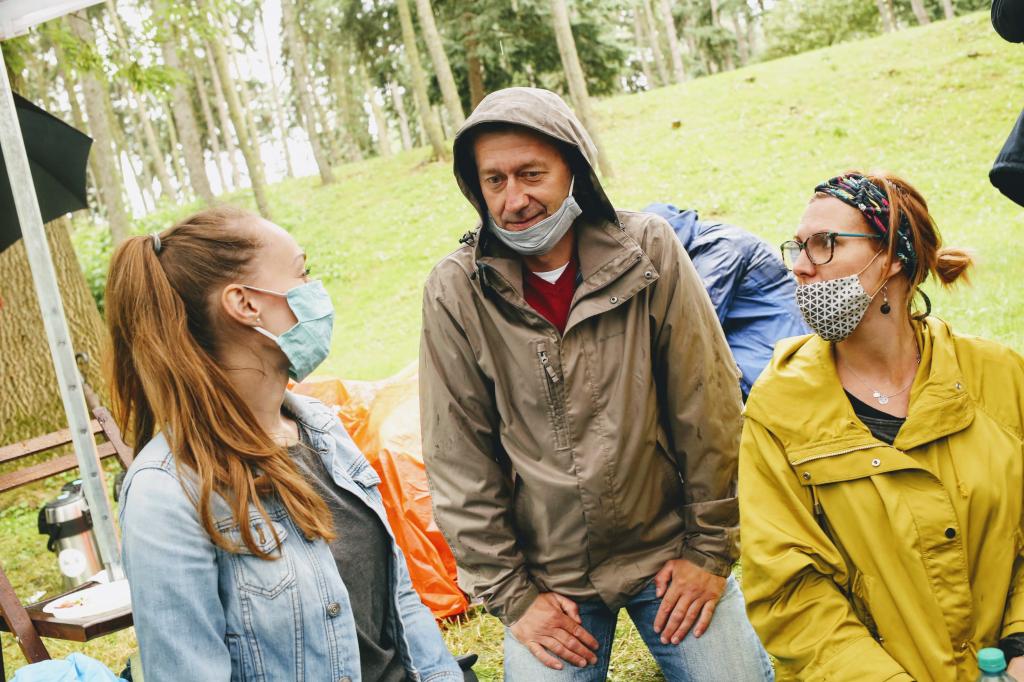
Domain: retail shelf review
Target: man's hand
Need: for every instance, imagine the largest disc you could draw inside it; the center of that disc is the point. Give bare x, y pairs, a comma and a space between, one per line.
552, 625
689, 595
1015, 668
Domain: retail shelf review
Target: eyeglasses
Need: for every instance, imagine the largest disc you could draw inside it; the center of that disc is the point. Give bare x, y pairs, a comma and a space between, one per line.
820, 247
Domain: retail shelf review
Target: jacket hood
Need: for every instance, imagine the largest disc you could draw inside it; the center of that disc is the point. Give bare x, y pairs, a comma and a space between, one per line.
684, 222
544, 112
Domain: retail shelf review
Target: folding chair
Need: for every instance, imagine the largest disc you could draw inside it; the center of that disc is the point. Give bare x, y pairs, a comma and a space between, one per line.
30, 623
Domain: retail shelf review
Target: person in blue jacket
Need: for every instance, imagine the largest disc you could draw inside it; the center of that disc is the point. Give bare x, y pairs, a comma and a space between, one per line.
750, 288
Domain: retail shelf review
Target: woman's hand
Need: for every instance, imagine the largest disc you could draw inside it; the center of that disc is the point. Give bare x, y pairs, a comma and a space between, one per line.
1015, 668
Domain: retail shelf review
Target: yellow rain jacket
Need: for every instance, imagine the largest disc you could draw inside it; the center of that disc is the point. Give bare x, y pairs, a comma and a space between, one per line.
867, 562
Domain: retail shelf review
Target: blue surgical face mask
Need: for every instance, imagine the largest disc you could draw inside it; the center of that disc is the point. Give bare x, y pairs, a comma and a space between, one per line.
308, 342
538, 239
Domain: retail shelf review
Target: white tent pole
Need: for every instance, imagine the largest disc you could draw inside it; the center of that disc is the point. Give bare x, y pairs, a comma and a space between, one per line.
45, 278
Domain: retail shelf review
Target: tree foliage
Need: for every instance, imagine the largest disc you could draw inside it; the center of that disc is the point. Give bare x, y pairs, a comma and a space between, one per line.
795, 26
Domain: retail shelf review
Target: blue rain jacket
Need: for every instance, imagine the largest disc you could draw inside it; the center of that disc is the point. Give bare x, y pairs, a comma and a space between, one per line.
750, 288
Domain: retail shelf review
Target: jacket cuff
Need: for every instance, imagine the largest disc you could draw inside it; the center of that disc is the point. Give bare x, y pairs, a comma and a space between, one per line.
712, 564
513, 609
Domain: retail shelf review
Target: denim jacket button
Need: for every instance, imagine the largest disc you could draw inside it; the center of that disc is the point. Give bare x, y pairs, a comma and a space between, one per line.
333, 609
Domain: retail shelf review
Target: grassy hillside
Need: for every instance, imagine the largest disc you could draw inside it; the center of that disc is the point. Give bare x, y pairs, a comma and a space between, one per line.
933, 104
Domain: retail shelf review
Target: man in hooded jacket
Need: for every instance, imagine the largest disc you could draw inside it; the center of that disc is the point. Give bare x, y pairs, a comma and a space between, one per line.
581, 413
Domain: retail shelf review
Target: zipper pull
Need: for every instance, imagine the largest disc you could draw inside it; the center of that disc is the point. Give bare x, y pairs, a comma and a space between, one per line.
543, 355
819, 512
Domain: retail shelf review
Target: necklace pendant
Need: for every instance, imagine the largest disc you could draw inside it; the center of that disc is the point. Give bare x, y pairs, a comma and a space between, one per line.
882, 398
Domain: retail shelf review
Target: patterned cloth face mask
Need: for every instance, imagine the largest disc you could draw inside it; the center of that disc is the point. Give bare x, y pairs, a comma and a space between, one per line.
833, 308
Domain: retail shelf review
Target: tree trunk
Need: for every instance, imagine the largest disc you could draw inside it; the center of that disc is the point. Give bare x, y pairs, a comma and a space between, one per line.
76, 109
419, 82
176, 163
442, 69
887, 20
250, 153
280, 120
156, 154
920, 12
225, 123
303, 89
652, 35
30, 403
246, 100
947, 9
892, 14
211, 127
641, 46
111, 183
383, 134
715, 20
403, 119
577, 81
669, 22
741, 38
440, 116
474, 67
349, 113
184, 116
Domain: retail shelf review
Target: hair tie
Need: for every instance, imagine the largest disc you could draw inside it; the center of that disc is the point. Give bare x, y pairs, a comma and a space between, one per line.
156, 243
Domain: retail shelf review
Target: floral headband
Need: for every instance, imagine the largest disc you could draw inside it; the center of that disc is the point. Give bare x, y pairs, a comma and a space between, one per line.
857, 191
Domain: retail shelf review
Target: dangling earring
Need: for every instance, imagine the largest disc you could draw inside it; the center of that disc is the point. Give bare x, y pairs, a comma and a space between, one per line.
886, 309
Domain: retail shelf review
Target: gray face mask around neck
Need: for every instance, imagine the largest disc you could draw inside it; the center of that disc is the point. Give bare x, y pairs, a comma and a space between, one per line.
538, 239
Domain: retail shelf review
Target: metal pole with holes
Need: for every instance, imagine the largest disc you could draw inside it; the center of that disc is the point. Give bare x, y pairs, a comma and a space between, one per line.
45, 279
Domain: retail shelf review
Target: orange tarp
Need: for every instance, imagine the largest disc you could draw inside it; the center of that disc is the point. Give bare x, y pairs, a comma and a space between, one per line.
384, 421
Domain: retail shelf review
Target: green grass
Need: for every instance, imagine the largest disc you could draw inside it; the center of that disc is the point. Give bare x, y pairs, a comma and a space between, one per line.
933, 104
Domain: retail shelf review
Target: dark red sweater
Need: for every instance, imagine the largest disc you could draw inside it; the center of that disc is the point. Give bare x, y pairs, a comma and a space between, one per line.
552, 301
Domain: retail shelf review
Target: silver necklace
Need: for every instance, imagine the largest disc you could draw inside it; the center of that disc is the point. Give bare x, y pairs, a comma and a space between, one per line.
883, 398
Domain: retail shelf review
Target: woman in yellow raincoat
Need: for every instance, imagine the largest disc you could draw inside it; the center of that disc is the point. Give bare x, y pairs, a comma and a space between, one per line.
880, 476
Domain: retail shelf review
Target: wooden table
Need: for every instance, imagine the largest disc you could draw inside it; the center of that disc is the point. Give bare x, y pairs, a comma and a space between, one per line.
79, 630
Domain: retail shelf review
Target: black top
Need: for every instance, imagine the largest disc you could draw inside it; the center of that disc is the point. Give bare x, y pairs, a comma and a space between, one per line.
882, 425
362, 552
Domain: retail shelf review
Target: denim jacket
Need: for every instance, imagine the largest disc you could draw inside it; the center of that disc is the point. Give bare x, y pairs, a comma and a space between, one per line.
205, 614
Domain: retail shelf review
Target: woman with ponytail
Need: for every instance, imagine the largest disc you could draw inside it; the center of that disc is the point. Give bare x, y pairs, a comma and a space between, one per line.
254, 538
881, 465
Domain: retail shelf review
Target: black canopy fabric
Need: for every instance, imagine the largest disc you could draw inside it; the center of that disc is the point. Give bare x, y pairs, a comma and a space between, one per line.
1008, 172
1008, 19
57, 156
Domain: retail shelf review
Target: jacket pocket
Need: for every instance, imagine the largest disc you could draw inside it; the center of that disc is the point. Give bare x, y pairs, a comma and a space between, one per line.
263, 577
554, 390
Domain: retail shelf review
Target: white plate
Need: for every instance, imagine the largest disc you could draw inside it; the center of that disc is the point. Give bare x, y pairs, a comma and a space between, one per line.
92, 601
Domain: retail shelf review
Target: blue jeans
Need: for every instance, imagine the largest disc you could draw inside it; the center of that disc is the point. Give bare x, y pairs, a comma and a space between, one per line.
728, 651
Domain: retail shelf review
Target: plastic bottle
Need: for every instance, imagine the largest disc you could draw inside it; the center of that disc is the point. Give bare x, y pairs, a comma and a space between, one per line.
992, 666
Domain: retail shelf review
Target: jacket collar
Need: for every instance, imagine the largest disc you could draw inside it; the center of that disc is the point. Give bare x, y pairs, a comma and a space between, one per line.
328, 436
802, 401
605, 254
